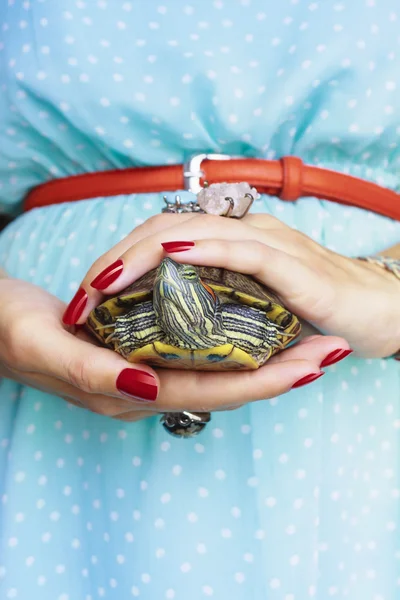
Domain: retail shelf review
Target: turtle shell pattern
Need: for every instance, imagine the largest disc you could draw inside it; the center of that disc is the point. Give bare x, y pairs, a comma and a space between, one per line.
228, 286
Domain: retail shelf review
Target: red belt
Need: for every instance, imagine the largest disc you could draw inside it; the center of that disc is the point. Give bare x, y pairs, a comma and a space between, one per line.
287, 178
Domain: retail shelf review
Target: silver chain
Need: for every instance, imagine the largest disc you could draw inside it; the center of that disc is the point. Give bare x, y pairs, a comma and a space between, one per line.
179, 207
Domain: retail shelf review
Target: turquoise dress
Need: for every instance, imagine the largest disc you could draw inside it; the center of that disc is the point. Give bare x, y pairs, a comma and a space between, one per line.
289, 499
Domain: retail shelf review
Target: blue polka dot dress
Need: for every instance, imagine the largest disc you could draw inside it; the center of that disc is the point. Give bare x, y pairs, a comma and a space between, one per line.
289, 499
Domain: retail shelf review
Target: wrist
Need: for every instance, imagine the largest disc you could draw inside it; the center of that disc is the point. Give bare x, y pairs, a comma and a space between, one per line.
387, 263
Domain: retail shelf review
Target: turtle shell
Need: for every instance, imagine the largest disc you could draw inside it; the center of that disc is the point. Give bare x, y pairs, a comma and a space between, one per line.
228, 286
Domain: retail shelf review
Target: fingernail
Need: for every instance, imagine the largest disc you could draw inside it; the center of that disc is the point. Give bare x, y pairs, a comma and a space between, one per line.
75, 308
335, 356
108, 276
307, 379
177, 246
137, 384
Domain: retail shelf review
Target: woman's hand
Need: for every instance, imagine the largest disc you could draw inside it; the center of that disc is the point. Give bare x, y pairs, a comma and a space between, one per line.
37, 350
338, 295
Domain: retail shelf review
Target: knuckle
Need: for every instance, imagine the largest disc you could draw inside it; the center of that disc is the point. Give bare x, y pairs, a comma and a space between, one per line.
105, 409
81, 374
212, 222
18, 342
96, 268
155, 222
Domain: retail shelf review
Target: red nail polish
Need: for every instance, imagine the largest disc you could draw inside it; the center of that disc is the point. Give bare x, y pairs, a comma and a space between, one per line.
335, 356
307, 379
75, 308
108, 276
177, 246
140, 385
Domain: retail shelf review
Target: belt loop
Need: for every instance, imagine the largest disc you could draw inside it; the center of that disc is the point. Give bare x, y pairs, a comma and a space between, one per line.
292, 178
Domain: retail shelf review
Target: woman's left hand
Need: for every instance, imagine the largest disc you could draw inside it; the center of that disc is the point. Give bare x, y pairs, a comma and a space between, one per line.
338, 295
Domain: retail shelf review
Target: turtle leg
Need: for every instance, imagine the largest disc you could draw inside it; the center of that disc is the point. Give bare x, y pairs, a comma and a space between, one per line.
252, 331
136, 329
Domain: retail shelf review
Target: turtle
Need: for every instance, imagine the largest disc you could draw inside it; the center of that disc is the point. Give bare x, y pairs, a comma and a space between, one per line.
204, 318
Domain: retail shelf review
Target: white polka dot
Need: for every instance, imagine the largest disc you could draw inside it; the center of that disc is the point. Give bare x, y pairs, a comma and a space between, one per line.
192, 517
201, 548
159, 523
236, 512
20, 476
226, 533
290, 529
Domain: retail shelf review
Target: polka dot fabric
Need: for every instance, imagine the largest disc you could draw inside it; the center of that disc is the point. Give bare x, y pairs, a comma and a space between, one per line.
291, 499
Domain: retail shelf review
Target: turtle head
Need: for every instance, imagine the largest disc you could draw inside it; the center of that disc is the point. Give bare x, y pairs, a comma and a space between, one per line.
187, 309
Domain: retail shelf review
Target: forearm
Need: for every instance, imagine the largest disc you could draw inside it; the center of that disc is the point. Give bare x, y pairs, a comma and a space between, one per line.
3, 274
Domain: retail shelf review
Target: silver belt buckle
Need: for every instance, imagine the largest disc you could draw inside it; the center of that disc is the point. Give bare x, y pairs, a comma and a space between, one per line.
192, 172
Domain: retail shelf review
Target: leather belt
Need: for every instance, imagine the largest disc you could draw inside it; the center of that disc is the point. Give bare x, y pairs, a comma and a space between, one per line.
288, 178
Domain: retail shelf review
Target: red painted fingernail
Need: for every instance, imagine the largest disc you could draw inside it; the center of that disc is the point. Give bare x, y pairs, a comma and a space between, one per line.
177, 246
335, 356
307, 379
75, 308
137, 384
108, 276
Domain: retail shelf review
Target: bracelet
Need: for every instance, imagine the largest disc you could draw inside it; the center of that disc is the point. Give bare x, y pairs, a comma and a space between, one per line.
389, 264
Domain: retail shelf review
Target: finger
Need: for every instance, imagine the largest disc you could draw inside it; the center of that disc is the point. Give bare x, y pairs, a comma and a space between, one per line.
87, 367
265, 221
97, 403
147, 253
304, 290
204, 391
222, 390
317, 348
87, 296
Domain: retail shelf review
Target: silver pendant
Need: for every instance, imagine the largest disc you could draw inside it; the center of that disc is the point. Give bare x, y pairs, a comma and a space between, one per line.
185, 424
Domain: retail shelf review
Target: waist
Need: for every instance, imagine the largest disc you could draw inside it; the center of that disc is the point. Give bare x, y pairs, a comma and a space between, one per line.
288, 178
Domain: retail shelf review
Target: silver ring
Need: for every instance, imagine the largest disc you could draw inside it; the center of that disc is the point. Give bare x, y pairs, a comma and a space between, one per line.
185, 424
